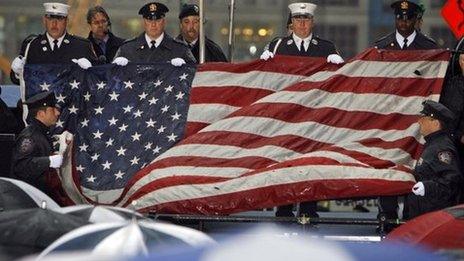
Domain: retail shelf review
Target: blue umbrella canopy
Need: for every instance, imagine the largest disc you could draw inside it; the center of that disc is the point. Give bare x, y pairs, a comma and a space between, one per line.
126, 238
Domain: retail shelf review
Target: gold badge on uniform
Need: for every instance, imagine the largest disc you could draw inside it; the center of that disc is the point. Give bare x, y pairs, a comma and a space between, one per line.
152, 8
404, 5
445, 156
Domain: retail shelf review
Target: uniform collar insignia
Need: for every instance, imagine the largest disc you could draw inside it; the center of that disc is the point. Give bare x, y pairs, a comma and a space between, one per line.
289, 42
43, 41
314, 41
66, 41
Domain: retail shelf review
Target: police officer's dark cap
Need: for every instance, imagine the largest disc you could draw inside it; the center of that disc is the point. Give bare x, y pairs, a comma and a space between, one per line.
153, 11
188, 10
437, 111
42, 99
405, 9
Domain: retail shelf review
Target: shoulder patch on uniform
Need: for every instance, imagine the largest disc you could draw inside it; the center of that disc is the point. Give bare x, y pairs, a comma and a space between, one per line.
26, 145
445, 157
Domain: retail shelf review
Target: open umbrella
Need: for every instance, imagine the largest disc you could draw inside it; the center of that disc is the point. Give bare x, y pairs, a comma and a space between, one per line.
271, 243
27, 231
443, 229
125, 238
16, 194
100, 214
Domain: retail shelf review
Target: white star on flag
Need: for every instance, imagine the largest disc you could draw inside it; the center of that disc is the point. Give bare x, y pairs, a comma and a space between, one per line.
153, 101
95, 157
109, 142
119, 174
150, 123
157, 83
101, 85
138, 113
148, 146
45, 87
183, 77
80, 168
73, 109
121, 151
128, 85
83, 147
114, 96
165, 108
59, 123
175, 116
143, 96
172, 137
161, 129
136, 136
180, 95
74, 84
112, 121
85, 123
123, 127
60, 98
98, 110
168, 89
106, 165
91, 179
134, 161
97, 135
87, 96
127, 109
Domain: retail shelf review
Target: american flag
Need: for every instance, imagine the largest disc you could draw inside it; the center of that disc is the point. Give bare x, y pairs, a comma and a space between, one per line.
290, 129
294, 129
121, 117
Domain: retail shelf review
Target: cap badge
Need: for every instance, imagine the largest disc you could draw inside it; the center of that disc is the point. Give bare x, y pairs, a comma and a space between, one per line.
195, 8
152, 8
289, 42
404, 5
303, 6
54, 7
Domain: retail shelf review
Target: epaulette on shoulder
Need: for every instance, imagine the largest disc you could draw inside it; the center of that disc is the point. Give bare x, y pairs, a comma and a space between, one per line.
79, 38
30, 38
383, 38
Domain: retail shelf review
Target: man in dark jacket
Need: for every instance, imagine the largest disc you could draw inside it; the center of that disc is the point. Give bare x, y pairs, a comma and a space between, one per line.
154, 45
189, 17
55, 45
104, 42
437, 171
406, 37
32, 157
302, 41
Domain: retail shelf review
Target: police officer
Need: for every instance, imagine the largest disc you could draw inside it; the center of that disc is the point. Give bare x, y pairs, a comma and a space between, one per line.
32, 155
154, 45
104, 42
302, 41
189, 17
53, 46
406, 37
437, 171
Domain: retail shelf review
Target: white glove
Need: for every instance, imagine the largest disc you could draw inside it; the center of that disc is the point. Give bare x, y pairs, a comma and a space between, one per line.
18, 65
121, 61
266, 55
63, 140
56, 161
83, 63
177, 62
335, 58
418, 189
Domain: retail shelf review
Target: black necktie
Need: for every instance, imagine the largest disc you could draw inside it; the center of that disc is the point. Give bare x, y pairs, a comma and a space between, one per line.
153, 46
302, 50
55, 45
405, 43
